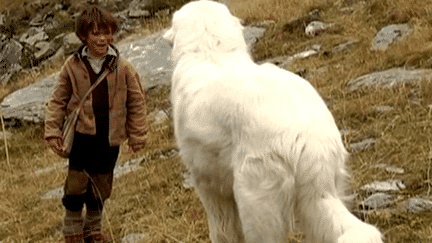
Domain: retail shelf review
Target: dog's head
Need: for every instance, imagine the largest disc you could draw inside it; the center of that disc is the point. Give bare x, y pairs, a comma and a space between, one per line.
205, 26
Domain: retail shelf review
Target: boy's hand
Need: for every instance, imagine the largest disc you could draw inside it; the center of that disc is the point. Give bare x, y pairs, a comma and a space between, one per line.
56, 144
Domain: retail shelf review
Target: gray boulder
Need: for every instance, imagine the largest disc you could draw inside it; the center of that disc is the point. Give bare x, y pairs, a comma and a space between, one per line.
415, 205
28, 104
43, 48
390, 34
33, 36
10, 60
384, 186
151, 58
252, 34
48, 49
389, 78
377, 200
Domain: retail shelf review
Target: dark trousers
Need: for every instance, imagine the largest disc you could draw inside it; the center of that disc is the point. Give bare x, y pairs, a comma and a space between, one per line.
90, 175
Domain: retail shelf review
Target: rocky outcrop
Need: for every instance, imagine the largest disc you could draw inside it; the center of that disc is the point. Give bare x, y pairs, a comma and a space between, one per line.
150, 56
45, 36
389, 78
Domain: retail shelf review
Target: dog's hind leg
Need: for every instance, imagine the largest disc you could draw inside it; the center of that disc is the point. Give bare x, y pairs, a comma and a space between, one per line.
222, 215
264, 191
213, 183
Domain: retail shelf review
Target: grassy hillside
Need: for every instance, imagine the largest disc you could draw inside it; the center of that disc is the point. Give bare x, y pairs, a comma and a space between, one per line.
153, 200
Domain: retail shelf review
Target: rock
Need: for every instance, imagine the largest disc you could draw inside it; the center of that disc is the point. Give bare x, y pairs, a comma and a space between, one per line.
384, 186
127, 167
59, 166
135, 237
126, 24
37, 21
415, 205
146, 8
29, 33
383, 108
390, 169
377, 200
362, 145
10, 60
316, 28
55, 193
2, 19
3, 39
51, 22
252, 34
390, 34
297, 25
345, 47
43, 48
30, 94
137, 13
38, 5
305, 54
28, 104
58, 55
158, 117
71, 42
151, 58
33, 39
285, 61
347, 10
389, 78
48, 49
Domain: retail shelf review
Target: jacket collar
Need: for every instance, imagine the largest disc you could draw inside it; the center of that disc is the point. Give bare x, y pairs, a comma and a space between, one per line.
112, 55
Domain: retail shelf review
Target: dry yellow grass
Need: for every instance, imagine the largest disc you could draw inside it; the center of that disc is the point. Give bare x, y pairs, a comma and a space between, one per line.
153, 200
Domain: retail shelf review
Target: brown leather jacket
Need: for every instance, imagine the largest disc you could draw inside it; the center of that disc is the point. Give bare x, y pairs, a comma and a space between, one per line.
127, 108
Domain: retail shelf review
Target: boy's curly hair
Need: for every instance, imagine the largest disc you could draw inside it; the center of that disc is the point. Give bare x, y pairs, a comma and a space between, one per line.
94, 17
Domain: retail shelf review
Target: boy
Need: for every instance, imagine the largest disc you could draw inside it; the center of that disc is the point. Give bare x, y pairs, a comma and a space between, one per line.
113, 112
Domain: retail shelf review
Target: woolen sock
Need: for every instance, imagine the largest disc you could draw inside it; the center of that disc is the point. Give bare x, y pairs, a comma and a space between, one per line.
73, 225
93, 222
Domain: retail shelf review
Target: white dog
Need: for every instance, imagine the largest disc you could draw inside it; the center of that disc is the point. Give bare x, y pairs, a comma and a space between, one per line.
261, 145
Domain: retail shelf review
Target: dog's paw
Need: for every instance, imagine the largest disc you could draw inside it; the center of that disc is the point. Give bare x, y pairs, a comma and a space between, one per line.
361, 234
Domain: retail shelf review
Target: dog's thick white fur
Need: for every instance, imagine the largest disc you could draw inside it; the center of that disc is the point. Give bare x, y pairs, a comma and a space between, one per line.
262, 147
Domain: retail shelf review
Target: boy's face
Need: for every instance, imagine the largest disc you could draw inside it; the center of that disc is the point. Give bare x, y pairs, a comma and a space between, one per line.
98, 41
